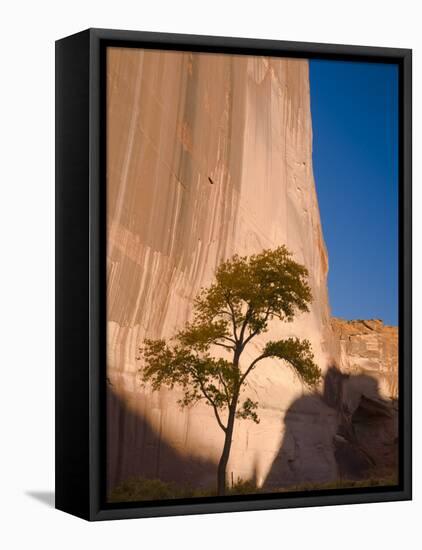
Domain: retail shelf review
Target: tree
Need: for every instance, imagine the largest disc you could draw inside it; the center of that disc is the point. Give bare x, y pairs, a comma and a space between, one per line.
247, 294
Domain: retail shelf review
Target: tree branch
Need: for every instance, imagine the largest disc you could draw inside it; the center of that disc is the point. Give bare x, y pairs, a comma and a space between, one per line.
233, 316
217, 416
223, 312
223, 345
251, 366
245, 323
256, 331
211, 401
229, 339
226, 391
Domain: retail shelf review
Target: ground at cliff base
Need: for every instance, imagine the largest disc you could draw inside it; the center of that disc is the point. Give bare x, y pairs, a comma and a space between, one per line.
141, 489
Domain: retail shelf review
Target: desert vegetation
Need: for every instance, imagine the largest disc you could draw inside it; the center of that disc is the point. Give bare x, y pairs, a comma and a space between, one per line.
142, 489
248, 293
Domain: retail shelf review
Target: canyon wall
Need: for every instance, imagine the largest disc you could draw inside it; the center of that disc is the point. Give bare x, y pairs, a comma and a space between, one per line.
210, 155
369, 348
360, 396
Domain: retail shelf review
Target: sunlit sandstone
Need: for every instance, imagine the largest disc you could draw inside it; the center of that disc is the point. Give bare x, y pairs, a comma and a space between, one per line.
210, 155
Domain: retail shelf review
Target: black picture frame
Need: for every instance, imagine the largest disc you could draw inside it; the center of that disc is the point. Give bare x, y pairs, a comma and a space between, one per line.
80, 272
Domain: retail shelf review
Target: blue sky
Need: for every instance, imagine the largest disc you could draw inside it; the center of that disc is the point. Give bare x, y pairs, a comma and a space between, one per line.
355, 156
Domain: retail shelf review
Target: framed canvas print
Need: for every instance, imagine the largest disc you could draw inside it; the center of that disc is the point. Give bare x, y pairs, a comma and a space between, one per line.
233, 274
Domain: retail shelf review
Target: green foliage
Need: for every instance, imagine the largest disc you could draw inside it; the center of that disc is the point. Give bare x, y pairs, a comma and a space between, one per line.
248, 410
270, 284
198, 374
376, 481
298, 354
248, 293
142, 489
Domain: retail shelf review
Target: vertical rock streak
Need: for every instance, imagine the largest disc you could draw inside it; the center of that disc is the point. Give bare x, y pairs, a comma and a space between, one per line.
207, 155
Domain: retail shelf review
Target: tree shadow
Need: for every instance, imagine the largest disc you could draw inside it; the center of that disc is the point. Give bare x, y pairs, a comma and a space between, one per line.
134, 449
350, 432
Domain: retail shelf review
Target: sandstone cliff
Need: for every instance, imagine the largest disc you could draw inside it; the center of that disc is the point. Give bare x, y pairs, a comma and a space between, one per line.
210, 155
371, 348
359, 402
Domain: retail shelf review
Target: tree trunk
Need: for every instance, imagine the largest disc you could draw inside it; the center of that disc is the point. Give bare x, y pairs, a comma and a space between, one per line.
222, 465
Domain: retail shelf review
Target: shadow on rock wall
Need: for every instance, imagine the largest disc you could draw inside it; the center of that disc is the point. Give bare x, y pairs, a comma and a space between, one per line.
134, 449
348, 433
